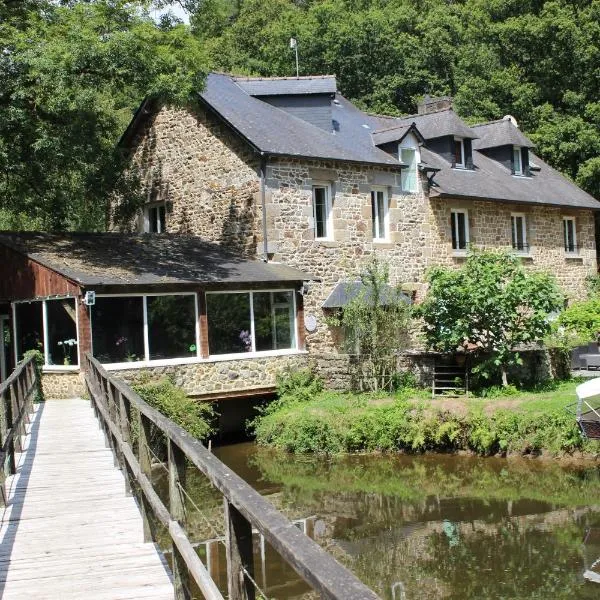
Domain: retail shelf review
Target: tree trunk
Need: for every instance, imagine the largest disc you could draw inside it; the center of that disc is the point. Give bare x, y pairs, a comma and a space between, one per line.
504, 377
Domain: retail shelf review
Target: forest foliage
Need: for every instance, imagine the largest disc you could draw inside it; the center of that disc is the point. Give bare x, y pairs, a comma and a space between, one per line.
72, 73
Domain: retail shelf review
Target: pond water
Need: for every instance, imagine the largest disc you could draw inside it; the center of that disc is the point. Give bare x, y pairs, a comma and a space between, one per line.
434, 526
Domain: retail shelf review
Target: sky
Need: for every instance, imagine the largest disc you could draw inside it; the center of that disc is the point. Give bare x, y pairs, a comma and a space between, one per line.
175, 9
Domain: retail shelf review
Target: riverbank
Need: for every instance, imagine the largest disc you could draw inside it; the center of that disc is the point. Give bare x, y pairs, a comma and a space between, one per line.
532, 423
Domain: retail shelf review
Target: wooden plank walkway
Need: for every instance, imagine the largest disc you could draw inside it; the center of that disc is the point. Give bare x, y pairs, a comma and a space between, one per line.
69, 530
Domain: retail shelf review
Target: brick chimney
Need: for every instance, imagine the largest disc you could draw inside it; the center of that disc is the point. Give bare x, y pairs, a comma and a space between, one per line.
429, 105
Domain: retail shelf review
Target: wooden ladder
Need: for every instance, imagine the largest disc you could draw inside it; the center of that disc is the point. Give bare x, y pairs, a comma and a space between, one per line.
449, 378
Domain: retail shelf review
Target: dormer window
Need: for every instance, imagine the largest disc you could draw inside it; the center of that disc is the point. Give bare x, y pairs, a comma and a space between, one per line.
409, 155
517, 161
459, 153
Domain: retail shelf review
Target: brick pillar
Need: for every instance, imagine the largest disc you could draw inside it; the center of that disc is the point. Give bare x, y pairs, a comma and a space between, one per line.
203, 324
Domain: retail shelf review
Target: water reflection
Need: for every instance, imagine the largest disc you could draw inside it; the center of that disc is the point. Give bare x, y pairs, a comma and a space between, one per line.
434, 526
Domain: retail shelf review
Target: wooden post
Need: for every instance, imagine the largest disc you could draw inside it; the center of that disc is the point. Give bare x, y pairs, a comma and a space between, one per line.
176, 460
112, 415
146, 468
125, 419
238, 542
16, 438
4, 425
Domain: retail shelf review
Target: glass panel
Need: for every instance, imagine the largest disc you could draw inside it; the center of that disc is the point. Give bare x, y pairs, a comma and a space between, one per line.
156, 219
274, 320
30, 328
459, 231
381, 213
374, 213
118, 329
320, 199
569, 234
228, 323
518, 232
62, 332
171, 326
409, 174
458, 152
462, 241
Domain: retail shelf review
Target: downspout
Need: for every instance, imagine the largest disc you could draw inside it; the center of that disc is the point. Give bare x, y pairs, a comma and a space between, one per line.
263, 200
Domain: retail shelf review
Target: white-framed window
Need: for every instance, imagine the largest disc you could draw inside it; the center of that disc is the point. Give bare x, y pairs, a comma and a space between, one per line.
145, 328
408, 153
380, 214
459, 221
251, 322
459, 153
49, 326
570, 235
155, 218
518, 223
517, 161
322, 213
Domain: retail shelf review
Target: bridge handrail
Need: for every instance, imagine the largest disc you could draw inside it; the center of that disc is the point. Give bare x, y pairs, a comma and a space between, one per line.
15, 406
244, 508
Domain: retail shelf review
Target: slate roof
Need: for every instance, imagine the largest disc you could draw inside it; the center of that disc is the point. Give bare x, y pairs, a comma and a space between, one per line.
491, 180
273, 131
283, 86
346, 291
394, 134
115, 259
355, 134
439, 124
500, 133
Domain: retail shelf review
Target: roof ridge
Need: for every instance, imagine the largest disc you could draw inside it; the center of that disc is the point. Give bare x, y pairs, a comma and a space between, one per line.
431, 112
502, 120
286, 78
399, 126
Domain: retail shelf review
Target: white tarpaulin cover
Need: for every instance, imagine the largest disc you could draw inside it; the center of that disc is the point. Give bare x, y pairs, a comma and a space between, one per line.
589, 389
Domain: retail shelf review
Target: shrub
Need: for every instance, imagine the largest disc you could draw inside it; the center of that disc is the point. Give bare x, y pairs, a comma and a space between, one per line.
299, 385
38, 361
195, 417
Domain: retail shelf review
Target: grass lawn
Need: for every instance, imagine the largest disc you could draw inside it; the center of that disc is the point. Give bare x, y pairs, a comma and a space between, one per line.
549, 398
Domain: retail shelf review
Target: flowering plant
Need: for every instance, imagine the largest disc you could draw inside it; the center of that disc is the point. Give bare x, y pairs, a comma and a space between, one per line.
246, 340
66, 344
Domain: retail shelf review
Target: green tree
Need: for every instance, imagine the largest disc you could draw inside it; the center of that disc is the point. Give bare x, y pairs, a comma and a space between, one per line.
490, 306
71, 76
582, 319
375, 323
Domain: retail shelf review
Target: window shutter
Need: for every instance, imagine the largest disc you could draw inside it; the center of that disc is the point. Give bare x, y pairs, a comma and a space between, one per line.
525, 161
468, 146
512, 160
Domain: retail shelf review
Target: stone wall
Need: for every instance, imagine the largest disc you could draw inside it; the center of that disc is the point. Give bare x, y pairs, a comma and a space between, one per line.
207, 177
490, 227
62, 385
290, 230
221, 377
211, 179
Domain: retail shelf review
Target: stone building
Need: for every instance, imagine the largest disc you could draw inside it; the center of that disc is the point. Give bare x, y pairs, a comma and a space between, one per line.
262, 202
289, 170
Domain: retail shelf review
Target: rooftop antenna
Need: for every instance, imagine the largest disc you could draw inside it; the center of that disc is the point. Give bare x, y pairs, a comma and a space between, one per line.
294, 46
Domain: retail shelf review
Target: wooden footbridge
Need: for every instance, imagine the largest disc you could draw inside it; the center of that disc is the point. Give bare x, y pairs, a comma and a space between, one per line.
82, 517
